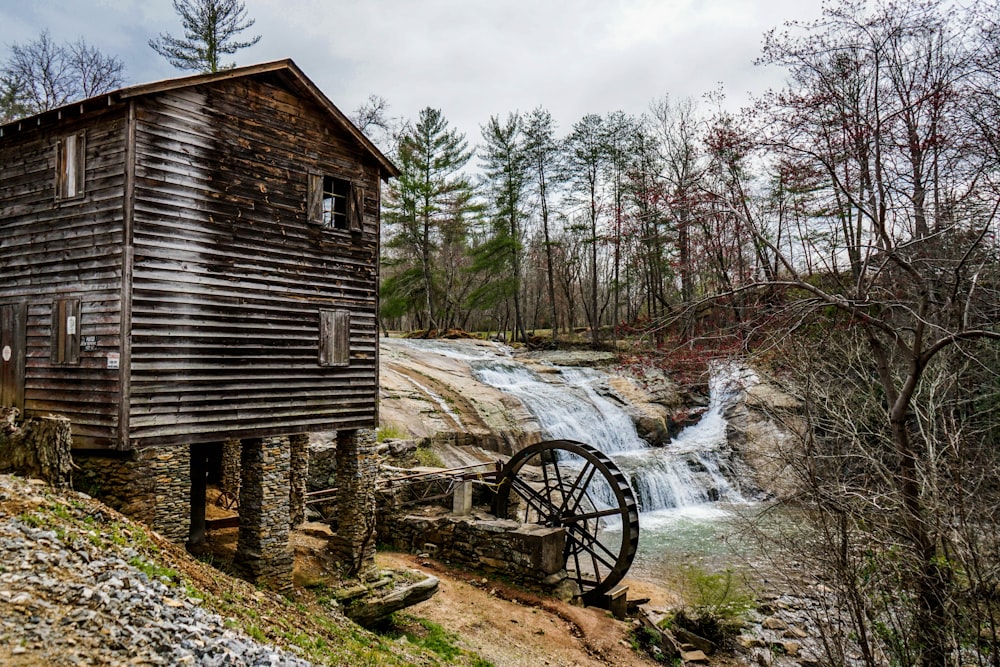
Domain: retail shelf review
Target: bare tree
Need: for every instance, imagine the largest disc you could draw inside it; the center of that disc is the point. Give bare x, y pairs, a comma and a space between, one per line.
585, 162
372, 117
899, 320
42, 75
210, 30
543, 155
675, 125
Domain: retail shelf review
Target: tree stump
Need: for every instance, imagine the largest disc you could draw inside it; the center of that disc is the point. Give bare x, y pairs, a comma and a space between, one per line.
39, 448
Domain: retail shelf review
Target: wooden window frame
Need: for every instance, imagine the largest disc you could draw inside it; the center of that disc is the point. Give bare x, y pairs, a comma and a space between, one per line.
335, 203
71, 166
334, 337
66, 331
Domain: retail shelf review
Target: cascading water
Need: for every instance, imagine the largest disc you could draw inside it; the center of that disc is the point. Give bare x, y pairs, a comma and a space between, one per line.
675, 485
692, 469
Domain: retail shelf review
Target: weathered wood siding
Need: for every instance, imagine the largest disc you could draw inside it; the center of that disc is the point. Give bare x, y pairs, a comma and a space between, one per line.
230, 275
70, 249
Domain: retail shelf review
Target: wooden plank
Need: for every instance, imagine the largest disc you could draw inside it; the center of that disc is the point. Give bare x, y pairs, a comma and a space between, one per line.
128, 263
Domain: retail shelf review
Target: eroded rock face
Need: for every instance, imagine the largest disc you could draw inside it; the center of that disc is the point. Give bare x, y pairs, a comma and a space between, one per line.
433, 396
766, 428
650, 411
427, 395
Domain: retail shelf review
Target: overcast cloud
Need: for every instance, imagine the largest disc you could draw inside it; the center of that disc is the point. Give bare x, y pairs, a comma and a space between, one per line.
470, 58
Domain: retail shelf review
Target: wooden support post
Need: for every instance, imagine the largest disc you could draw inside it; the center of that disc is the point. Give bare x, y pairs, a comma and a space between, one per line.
199, 486
618, 602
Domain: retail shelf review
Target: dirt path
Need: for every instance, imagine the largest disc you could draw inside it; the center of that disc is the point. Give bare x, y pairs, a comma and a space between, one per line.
511, 628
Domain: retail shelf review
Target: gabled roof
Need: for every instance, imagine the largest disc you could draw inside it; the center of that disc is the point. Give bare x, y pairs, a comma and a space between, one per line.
285, 69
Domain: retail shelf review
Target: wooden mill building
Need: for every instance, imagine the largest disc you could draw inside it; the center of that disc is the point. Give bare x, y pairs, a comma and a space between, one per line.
188, 262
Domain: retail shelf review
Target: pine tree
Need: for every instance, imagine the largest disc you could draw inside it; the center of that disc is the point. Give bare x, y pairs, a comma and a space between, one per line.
426, 207
505, 168
210, 29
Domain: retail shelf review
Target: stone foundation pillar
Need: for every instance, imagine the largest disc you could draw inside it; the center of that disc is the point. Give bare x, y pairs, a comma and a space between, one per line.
357, 465
263, 555
170, 469
231, 452
461, 501
299, 476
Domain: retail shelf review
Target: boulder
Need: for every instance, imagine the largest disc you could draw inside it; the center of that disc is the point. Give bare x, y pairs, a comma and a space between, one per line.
369, 611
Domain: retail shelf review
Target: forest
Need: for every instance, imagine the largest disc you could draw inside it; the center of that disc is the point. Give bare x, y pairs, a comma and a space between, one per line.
883, 135
840, 233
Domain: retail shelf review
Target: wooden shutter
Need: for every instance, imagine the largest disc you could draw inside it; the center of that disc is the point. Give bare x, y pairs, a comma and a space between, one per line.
314, 198
334, 337
13, 317
71, 164
356, 209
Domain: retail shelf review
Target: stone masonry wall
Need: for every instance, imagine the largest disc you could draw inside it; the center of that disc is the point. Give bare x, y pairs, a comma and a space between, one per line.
322, 461
171, 468
150, 485
231, 452
263, 555
527, 553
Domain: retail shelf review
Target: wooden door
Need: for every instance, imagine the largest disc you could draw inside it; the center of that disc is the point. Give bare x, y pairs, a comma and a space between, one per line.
12, 354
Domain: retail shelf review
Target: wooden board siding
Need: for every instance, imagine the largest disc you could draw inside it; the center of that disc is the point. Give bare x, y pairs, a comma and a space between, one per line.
69, 249
230, 276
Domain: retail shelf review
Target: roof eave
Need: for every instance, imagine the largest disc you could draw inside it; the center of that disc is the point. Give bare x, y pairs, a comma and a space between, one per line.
388, 169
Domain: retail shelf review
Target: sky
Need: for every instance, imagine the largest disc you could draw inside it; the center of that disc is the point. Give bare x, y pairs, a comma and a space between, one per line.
471, 59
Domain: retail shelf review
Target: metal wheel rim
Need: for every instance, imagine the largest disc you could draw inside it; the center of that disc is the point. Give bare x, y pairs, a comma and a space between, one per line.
596, 566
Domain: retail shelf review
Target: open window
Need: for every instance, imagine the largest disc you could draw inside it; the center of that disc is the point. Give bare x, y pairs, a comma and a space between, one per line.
335, 203
66, 331
70, 166
334, 337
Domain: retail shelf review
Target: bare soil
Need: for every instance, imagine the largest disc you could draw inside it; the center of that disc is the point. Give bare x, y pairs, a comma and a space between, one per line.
505, 625
510, 627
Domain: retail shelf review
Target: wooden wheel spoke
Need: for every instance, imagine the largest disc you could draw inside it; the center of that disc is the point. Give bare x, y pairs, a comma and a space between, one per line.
578, 490
595, 555
535, 500
596, 514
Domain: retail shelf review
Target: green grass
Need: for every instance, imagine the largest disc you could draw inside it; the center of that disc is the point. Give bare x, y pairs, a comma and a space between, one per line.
154, 570
716, 604
428, 458
390, 432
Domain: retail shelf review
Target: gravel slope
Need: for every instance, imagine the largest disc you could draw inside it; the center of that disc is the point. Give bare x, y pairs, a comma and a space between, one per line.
73, 596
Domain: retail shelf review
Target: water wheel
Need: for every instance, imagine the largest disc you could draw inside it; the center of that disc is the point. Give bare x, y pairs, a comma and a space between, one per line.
569, 484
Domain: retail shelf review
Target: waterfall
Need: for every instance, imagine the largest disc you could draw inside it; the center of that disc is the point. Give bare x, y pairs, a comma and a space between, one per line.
694, 468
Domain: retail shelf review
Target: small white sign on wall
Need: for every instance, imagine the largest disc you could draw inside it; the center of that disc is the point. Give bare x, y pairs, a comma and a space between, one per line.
6, 352
113, 359
71, 325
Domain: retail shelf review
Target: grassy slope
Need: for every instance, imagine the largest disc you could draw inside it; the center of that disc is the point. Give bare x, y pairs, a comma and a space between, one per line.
301, 622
